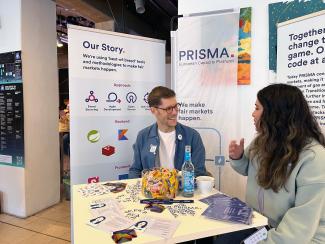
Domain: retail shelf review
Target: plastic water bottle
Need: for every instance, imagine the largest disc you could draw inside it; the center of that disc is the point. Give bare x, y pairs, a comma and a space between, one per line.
188, 174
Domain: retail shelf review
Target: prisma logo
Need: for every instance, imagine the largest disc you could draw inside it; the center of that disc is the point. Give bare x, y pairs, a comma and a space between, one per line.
204, 54
121, 135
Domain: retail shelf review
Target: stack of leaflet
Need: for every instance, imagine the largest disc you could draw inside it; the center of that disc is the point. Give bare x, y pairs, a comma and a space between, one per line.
222, 207
107, 215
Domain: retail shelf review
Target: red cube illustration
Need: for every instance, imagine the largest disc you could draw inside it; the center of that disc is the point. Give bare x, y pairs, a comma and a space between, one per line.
108, 150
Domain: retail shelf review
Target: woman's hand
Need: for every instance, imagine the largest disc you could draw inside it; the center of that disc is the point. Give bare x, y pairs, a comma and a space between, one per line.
236, 151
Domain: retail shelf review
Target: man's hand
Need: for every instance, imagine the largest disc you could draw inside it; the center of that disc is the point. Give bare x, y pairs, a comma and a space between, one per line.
236, 151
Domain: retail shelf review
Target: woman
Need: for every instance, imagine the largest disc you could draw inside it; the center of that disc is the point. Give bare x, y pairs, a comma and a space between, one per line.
285, 165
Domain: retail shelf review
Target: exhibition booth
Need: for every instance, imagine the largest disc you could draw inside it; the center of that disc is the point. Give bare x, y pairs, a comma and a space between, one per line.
222, 53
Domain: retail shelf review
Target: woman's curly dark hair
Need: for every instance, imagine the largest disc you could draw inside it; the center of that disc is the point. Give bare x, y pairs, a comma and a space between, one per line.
286, 126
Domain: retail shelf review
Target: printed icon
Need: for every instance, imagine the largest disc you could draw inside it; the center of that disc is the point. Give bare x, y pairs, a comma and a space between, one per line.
91, 97
94, 179
93, 136
2, 88
131, 97
220, 160
145, 97
112, 97
121, 135
108, 150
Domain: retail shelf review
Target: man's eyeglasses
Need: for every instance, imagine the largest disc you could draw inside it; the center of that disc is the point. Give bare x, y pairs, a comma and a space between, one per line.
169, 110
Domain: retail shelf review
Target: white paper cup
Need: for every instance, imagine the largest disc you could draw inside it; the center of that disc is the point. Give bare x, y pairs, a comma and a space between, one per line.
205, 184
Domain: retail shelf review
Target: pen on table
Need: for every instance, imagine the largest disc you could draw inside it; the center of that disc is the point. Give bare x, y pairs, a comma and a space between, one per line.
165, 201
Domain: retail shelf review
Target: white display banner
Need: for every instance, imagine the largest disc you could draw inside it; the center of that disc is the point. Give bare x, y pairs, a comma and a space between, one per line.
205, 79
110, 76
301, 59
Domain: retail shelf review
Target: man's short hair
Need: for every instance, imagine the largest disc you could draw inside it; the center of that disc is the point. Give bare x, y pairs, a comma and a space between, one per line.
157, 93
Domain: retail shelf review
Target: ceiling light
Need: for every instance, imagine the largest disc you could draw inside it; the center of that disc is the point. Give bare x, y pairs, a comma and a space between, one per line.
139, 6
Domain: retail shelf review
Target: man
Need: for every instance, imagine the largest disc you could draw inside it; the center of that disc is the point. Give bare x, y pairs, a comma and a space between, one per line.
163, 143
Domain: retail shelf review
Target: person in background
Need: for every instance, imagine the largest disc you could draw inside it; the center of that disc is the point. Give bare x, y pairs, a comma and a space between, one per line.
285, 165
163, 143
66, 103
64, 128
65, 123
64, 118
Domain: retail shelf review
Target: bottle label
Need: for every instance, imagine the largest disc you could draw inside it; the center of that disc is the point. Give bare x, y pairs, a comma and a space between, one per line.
188, 181
187, 156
